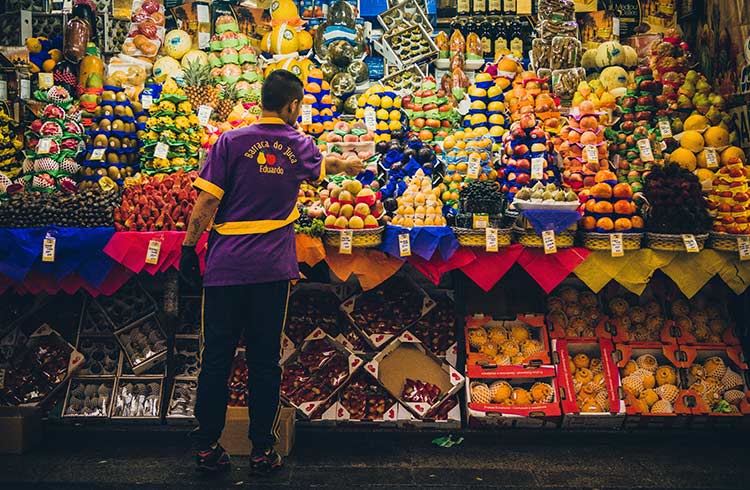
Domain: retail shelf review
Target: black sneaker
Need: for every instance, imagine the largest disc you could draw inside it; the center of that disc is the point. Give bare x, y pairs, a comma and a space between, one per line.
213, 459
265, 462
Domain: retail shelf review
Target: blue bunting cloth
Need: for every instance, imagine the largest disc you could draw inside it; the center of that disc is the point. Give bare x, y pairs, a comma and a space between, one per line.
424, 241
558, 220
77, 250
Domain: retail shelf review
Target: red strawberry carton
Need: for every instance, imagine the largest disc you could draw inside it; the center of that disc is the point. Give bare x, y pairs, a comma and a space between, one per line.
414, 375
589, 384
437, 328
720, 379
316, 371
496, 346
447, 415
519, 397
365, 401
658, 370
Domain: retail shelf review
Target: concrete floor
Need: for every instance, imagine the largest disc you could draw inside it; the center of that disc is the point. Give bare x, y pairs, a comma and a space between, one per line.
160, 457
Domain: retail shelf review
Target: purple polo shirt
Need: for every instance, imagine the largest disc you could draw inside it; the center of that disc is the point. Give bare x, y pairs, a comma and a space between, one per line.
256, 171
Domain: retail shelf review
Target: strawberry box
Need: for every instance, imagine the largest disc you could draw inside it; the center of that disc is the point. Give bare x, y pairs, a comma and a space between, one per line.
316, 371
314, 306
437, 328
653, 384
494, 346
380, 314
589, 384
447, 415
576, 314
720, 379
519, 397
414, 375
364, 401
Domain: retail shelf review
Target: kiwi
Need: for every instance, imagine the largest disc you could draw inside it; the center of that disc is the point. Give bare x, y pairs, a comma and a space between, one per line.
112, 158
118, 125
121, 97
128, 111
113, 173
107, 110
100, 140
108, 95
123, 159
119, 111
114, 143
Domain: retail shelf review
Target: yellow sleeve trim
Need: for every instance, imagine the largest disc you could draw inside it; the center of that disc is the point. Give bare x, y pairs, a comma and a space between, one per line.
322, 169
209, 187
255, 227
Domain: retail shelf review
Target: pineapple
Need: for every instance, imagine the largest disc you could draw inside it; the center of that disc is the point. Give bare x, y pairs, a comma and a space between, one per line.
227, 100
199, 86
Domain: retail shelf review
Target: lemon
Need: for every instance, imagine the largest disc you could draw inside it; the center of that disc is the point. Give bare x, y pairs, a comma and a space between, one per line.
374, 100
386, 102
695, 122
731, 152
394, 115
382, 114
394, 125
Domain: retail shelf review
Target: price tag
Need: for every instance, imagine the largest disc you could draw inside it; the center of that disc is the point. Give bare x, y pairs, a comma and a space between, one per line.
743, 247
3, 90
161, 150
644, 147
615, 244
45, 80
152, 254
712, 159
25, 89
616, 26
202, 13
691, 245
537, 168
345, 242
479, 221
473, 171
204, 114
371, 121
67, 6
592, 155
490, 239
147, 101
97, 154
665, 128
44, 146
204, 39
404, 245
306, 114
548, 239
48, 248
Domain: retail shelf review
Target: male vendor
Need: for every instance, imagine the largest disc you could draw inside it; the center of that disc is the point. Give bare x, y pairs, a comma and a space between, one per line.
250, 182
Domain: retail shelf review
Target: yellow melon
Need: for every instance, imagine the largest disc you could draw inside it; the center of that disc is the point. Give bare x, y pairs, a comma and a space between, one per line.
733, 152
716, 136
684, 158
696, 122
692, 140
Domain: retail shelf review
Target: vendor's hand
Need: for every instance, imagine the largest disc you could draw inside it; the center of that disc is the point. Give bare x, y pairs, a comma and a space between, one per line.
353, 167
189, 267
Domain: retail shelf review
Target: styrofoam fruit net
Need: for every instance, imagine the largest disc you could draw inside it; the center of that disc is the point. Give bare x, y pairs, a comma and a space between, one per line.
59, 95
4, 182
542, 392
734, 397
662, 406
51, 111
715, 367
500, 391
42, 183
45, 164
667, 392
596, 365
633, 385
477, 337
70, 166
731, 380
497, 335
480, 393
648, 362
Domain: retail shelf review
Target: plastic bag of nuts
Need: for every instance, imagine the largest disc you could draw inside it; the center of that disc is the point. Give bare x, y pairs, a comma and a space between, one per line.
565, 82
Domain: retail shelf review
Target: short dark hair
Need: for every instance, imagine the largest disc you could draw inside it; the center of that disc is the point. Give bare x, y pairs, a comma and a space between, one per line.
279, 89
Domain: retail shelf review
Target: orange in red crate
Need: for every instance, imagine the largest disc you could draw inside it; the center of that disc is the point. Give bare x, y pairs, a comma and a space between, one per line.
718, 377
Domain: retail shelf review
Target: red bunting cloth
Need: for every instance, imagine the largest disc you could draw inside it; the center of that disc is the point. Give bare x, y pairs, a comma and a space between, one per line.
434, 268
490, 267
35, 283
129, 248
549, 270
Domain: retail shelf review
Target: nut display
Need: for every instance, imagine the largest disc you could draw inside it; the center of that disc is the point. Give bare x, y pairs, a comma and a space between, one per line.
142, 342
128, 304
86, 209
573, 313
182, 403
388, 309
187, 362
138, 398
89, 398
101, 356
365, 399
310, 309
654, 384
417, 391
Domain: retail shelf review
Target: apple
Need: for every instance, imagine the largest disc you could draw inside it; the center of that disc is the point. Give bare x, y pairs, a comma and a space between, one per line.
523, 179
521, 150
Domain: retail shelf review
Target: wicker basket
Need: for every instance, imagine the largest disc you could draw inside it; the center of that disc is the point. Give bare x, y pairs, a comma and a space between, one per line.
601, 241
368, 238
726, 242
470, 237
529, 238
672, 243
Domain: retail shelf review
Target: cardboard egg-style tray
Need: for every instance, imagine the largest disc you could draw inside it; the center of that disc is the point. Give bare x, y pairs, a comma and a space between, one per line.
437, 328
128, 305
42, 340
665, 355
404, 13
407, 79
734, 359
98, 406
535, 415
182, 400
563, 352
102, 356
479, 364
428, 49
314, 390
393, 290
153, 353
120, 401
93, 320
407, 358
189, 317
187, 361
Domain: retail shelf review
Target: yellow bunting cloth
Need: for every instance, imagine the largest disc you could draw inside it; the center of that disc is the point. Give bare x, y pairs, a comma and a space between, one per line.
371, 267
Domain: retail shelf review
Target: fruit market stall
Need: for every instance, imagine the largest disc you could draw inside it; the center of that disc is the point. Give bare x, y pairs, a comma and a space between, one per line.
551, 227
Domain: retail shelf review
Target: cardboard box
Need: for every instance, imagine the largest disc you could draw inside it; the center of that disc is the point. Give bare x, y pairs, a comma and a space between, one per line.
21, 428
436, 418
564, 351
104, 406
437, 328
141, 363
181, 408
313, 305
479, 364
408, 358
234, 438
359, 396
121, 410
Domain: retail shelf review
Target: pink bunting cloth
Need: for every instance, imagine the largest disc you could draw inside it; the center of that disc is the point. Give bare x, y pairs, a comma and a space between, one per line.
549, 270
36, 283
490, 267
434, 268
129, 248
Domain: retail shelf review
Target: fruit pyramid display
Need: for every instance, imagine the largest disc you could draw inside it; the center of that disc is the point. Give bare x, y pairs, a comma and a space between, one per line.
530, 94
173, 124
10, 166
597, 93
695, 95
429, 110
526, 148
582, 146
468, 156
232, 58
323, 113
704, 146
676, 203
487, 112
420, 204
719, 386
610, 207
728, 200
654, 387
383, 100
111, 140
54, 143
352, 205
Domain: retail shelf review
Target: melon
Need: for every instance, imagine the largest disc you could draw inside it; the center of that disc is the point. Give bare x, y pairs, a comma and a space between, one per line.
610, 53
177, 43
194, 55
283, 40
283, 10
164, 67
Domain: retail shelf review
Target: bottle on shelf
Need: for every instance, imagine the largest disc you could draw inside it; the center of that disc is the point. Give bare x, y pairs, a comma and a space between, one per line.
463, 7
501, 38
488, 39
446, 8
515, 38
509, 7
479, 7
495, 7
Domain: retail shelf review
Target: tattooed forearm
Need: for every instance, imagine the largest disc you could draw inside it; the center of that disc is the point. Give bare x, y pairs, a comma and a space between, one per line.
203, 212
